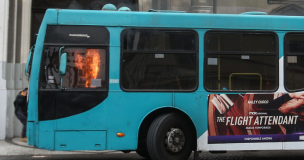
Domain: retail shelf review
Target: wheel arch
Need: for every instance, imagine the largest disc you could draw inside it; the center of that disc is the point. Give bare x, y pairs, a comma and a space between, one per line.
150, 117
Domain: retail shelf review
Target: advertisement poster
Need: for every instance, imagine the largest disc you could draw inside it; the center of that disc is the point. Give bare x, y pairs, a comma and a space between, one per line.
250, 118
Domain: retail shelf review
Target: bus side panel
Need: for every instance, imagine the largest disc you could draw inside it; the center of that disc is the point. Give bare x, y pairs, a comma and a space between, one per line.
46, 135
293, 145
203, 145
114, 60
194, 104
80, 140
30, 134
281, 35
127, 111
94, 119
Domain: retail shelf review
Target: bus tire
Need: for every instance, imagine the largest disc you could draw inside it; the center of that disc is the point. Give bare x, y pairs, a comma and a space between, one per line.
170, 137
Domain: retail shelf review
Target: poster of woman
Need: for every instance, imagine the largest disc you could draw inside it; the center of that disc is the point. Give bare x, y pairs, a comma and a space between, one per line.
248, 118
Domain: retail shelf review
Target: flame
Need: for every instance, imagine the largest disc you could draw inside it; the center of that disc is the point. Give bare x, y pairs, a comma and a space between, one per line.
79, 62
92, 67
89, 67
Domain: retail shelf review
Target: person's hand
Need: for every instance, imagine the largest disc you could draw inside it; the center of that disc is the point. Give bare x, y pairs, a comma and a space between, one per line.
291, 105
296, 95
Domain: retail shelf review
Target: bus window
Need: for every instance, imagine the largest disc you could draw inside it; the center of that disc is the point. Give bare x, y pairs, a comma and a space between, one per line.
159, 60
237, 61
85, 68
294, 61
159, 40
49, 78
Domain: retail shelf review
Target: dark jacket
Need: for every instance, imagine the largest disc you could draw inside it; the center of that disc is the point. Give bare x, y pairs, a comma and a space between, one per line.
20, 103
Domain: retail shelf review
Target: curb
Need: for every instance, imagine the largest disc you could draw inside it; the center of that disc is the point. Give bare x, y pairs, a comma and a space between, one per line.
14, 147
10, 141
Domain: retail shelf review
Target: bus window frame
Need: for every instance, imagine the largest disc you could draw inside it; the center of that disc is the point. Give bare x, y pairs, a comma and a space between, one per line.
103, 46
196, 52
276, 53
286, 53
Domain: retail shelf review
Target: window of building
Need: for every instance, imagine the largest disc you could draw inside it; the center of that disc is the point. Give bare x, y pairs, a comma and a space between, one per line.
241, 61
294, 61
159, 60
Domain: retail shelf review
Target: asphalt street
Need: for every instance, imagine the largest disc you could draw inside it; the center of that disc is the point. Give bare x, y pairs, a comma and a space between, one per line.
117, 155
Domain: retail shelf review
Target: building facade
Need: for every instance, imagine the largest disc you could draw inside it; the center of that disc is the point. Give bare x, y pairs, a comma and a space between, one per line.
21, 19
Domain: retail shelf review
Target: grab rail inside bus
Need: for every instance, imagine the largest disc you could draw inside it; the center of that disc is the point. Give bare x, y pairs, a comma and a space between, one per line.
247, 74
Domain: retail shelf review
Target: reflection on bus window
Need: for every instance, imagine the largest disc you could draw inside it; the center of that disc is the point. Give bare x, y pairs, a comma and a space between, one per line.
240, 61
159, 71
159, 60
157, 40
294, 61
50, 78
240, 42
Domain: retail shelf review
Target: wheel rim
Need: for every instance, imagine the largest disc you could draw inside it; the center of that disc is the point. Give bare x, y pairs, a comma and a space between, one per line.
175, 140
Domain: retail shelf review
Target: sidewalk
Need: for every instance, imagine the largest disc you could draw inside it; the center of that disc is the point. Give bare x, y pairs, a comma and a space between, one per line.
16, 147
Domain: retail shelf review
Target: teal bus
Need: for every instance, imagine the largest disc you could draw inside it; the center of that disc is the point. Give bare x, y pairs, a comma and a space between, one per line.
165, 84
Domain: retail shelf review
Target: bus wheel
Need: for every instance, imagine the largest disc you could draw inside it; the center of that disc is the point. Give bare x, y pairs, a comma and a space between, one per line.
170, 136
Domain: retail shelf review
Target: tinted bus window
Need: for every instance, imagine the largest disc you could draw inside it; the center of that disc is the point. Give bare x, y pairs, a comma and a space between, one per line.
231, 63
159, 60
50, 69
294, 61
156, 40
240, 42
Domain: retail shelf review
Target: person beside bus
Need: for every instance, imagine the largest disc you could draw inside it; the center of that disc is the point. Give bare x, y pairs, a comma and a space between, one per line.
20, 104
